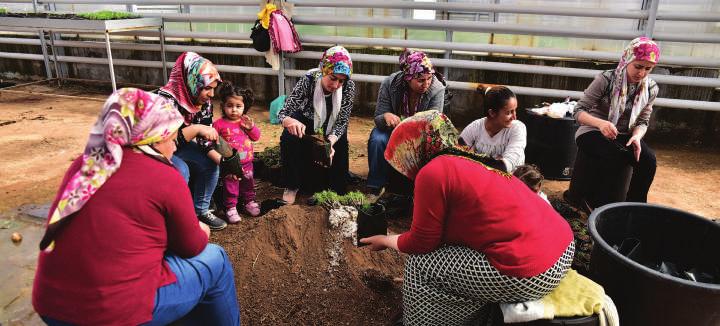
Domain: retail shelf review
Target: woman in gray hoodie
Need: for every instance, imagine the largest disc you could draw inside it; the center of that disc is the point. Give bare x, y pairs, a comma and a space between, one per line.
416, 87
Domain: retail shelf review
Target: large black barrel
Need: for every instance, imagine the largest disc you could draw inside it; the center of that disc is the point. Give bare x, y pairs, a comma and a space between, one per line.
550, 144
634, 242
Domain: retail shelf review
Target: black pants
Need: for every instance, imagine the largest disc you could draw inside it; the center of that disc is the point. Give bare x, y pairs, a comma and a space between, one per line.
299, 172
613, 154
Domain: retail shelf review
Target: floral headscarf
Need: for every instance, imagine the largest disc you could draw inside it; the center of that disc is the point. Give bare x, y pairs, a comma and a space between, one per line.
130, 117
336, 60
417, 139
188, 77
641, 48
415, 63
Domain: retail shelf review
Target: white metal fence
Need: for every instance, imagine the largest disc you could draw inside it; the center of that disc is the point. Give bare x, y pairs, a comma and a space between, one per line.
494, 26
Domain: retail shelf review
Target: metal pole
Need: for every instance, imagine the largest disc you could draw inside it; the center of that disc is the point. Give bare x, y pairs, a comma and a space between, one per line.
43, 46
448, 38
35, 4
281, 75
110, 60
650, 26
55, 60
162, 53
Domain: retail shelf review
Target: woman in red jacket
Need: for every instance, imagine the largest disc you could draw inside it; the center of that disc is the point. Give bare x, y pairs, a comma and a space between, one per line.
123, 245
478, 234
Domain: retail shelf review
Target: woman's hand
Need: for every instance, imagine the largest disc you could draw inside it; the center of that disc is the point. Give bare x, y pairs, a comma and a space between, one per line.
608, 129
635, 142
294, 127
380, 242
246, 122
391, 120
207, 132
205, 229
376, 242
332, 139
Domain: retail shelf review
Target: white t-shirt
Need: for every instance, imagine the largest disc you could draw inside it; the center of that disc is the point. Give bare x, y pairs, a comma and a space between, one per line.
509, 143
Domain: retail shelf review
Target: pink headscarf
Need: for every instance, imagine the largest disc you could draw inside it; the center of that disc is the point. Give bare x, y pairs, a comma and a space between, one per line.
641, 48
130, 118
188, 77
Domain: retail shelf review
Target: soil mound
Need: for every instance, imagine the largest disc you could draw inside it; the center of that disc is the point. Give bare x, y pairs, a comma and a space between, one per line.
284, 274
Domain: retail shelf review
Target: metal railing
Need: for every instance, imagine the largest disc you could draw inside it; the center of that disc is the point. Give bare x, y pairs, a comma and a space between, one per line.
649, 16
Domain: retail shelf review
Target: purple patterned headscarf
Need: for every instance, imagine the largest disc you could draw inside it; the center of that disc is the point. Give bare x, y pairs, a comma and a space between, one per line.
414, 63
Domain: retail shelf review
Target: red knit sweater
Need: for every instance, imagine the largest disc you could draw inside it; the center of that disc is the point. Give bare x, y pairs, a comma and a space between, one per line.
108, 261
459, 202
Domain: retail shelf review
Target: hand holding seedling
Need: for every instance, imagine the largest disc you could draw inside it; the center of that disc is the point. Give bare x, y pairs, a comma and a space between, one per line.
294, 127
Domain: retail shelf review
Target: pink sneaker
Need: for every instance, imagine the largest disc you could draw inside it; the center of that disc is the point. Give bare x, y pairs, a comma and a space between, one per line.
232, 215
253, 208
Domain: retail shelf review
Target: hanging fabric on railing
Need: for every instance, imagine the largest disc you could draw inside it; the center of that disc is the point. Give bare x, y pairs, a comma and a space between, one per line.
264, 14
283, 34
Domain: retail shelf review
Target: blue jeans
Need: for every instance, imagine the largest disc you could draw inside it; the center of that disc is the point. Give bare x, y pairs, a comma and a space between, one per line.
378, 166
192, 162
204, 293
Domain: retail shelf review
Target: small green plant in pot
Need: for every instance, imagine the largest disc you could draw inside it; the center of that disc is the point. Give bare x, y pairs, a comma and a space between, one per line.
371, 221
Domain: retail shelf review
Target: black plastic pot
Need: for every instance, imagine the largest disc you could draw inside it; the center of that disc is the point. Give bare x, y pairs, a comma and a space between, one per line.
551, 144
634, 242
371, 222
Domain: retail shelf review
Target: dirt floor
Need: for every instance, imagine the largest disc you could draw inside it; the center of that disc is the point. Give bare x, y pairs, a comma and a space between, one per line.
281, 262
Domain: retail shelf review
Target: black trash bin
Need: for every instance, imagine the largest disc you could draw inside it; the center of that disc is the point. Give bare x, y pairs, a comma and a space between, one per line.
550, 144
632, 240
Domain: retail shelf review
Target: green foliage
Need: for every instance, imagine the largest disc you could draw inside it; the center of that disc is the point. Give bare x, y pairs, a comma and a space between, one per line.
320, 131
327, 198
330, 199
354, 198
3, 11
270, 156
107, 15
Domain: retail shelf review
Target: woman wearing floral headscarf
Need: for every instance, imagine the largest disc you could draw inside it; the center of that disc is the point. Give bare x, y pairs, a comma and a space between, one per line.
416, 87
614, 114
122, 245
190, 89
478, 235
320, 103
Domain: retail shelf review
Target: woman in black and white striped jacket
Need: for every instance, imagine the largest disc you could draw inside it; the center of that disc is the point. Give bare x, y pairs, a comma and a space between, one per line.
320, 103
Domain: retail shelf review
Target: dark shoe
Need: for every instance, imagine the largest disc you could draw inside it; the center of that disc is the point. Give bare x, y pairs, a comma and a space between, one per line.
215, 223
312, 201
270, 204
354, 179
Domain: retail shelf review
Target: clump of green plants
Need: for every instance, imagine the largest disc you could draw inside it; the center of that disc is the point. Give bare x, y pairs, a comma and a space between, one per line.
270, 156
356, 199
107, 15
3, 11
329, 199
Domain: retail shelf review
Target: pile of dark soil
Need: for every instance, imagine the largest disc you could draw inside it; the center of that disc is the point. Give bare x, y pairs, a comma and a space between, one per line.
283, 272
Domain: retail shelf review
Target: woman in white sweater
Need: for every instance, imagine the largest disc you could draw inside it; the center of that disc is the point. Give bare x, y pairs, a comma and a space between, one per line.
499, 135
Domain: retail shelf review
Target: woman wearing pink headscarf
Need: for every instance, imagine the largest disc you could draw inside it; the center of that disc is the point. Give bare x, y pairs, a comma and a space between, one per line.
613, 115
123, 245
190, 89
